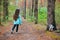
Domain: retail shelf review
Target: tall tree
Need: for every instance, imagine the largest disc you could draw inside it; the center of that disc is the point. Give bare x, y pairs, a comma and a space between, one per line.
45, 3
16, 3
36, 11
51, 14
0, 11
5, 9
42, 4
29, 6
32, 5
24, 9
30, 9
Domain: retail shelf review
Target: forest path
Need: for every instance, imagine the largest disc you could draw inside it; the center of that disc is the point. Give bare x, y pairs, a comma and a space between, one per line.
27, 31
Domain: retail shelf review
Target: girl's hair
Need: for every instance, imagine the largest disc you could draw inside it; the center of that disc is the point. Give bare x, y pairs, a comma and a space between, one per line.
16, 15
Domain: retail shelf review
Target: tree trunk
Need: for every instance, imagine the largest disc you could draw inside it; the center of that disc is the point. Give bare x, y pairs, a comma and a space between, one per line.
0, 11
42, 4
32, 6
5, 9
51, 14
36, 11
30, 9
45, 3
29, 6
24, 9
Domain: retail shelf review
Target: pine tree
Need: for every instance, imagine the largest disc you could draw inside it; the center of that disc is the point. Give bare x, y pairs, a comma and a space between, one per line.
36, 11
5, 9
51, 14
24, 9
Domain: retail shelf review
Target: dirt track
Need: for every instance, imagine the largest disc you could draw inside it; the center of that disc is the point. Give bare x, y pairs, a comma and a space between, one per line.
26, 32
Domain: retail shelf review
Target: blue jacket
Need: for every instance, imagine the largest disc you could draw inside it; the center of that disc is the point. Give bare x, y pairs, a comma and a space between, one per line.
18, 21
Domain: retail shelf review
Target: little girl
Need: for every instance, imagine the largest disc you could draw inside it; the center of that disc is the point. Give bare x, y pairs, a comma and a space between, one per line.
17, 20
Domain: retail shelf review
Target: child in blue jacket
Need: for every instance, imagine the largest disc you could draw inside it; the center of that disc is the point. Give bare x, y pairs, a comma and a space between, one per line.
17, 20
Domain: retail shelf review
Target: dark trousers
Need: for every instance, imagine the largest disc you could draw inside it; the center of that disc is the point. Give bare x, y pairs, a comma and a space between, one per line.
15, 25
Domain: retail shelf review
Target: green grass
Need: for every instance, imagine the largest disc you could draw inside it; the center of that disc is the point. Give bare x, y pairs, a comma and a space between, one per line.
52, 35
42, 15
29, 18
12, 9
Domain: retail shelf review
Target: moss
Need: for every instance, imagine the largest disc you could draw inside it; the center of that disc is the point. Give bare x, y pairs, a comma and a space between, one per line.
52, 35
